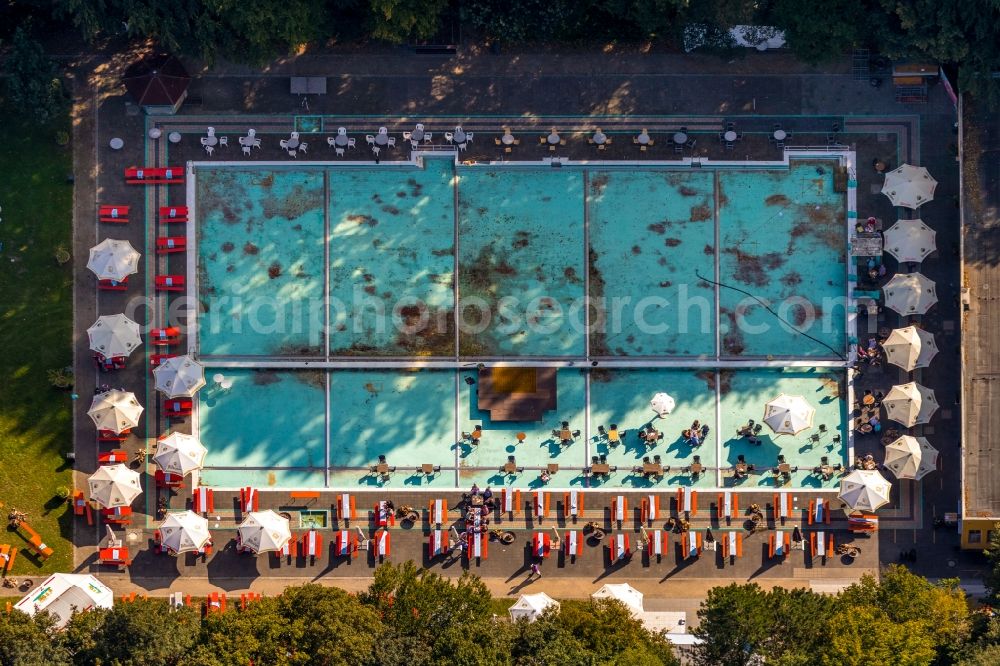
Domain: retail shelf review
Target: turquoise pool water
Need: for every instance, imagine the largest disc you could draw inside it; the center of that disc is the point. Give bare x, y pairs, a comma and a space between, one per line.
523, 248
313, 428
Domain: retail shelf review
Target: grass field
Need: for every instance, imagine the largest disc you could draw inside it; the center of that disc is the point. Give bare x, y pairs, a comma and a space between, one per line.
36, 301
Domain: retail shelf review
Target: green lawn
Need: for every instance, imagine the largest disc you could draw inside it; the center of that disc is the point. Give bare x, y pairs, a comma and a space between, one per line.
36, 305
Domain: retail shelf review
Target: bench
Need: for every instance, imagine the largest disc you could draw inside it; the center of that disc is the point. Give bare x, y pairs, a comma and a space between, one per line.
304, 495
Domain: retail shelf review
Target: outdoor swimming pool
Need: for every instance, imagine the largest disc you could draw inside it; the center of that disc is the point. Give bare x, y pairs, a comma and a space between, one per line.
666, 277
574, 262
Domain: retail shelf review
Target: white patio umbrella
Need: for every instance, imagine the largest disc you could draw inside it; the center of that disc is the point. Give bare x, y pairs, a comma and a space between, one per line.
114, 485
910, 293
864, 490
531, 606
789, 414
115, 410
910, 240
662, 404
178, 453
179, 377
184, 532
909, 186
623, 592
911, 457
910, 404
264, 531
114, 335
113, 259
910, 348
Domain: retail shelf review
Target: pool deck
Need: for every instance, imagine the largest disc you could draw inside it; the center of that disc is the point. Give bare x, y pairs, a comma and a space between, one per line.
872, 125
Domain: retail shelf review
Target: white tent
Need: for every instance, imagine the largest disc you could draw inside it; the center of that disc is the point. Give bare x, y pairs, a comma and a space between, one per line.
909, 186
910, 293
623, 592
115, 410
179, 453
264, 531
911, 457
113, 259
910, 404
184, 532
531, 606
114, 335
864, 490
179, 377
910, 348
63, 594
789, 414
662, 404
114, 485
910, 240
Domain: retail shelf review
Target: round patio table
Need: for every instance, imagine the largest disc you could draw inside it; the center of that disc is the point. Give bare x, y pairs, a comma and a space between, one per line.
341, 140
174, 137
779, 135
211, 140
116, 144
553, 138
507, 139
680, 138
459, 136
155, 133
293, 143
417, 134
643, 138
730, 136
381, 139
600, 138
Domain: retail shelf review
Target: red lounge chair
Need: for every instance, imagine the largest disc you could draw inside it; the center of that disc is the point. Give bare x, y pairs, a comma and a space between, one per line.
173, 214
650, 508
113, 214
215, 603
165, 336
248, 598
168, 479
170, 283
154, 175
573, 504
249, 499
156, 360
113, 285
312, 544
203, 500
112, 457
345, 543
179, 408
171, 244
118, 515
111, 436
114, 556
541, 505
541, 544
383, 516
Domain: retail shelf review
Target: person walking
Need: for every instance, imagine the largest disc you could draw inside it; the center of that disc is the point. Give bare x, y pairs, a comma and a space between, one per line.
536, 571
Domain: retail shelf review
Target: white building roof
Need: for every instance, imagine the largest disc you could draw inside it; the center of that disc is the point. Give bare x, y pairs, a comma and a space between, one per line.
62, 594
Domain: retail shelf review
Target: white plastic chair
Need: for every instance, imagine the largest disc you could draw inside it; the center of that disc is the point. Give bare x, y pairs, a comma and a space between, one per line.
462, 146
370, 139
415, 145
293, 153
407, 135
340, 152
468, 136
341, 130
256, 143
351, 143
427, 137
223, 140
332, 142
283, 143
376, 150
295, 135
383, 130
420, 126
302, 147
209, 149
391, 142
448, 136
251, 133
204, 141
211, 131
246, 150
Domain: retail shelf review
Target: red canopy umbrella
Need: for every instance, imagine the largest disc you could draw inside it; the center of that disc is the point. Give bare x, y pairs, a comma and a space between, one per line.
159, 80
